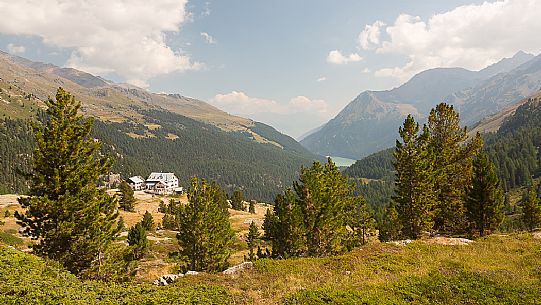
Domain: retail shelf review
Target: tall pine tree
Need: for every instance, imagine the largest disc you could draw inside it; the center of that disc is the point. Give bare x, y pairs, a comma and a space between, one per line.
415, 196
71, 219
205, 236
453, 157
312, 218
252, 240
484, 198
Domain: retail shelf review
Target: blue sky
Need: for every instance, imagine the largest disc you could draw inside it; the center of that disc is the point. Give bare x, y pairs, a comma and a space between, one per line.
292, 64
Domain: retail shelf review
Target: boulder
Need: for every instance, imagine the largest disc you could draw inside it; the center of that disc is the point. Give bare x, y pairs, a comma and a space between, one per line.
167, 279
191, 273
239, 267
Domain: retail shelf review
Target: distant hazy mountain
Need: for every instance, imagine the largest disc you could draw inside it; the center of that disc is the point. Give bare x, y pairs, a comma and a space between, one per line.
370, 122
497, 92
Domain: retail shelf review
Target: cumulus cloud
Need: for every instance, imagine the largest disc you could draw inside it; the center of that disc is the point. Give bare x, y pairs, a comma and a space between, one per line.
336, 57
208, 39
369, 38
322, 79
122, 36
15, 49
238, 102
304, 104
469, 36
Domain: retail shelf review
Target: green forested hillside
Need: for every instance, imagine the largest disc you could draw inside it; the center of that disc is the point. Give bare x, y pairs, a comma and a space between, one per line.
515, 147
177, 144
376, 166
515, 150
16, 142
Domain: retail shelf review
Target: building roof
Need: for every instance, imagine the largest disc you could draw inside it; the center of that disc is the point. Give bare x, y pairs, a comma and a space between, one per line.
136, 179
161, 177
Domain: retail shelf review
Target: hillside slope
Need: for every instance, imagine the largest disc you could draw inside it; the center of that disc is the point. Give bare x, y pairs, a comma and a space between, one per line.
492, 270
148, 132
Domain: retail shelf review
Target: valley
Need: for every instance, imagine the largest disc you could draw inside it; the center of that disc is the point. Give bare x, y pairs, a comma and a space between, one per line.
147, 152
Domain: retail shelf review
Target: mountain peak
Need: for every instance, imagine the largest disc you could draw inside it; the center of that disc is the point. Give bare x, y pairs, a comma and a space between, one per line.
506, 64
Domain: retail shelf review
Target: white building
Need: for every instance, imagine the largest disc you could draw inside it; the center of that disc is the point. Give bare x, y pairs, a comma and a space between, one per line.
162, 183
137, 183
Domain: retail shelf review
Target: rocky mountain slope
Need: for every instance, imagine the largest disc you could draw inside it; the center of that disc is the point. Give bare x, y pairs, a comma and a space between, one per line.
370, 122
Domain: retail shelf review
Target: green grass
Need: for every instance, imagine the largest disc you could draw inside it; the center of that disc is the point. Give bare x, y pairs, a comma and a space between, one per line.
8, 238
492, 270
27, 279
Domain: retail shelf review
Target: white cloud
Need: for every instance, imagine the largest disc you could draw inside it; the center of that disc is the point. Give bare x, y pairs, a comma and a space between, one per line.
208, 39
304, 104
469, 36
336, 57
322, 79
366, 70
294, 117
206, 9
122, 36
369, 38
15, 49
238, 102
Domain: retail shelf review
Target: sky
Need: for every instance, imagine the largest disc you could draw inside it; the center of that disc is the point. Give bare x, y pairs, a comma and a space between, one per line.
291, 64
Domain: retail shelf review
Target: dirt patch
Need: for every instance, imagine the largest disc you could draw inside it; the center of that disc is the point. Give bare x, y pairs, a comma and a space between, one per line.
7, 200
449, 241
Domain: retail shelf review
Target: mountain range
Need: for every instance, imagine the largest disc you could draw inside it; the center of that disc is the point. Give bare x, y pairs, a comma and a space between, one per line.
370, 122
148, 132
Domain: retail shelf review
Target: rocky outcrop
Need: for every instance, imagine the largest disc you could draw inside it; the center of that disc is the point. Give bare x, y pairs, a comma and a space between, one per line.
239, 268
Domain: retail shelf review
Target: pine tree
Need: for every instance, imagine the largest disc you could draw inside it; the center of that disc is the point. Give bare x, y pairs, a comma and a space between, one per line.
323, 194
205, 236
360, 220
251, 208
452, 166
127, 201
120, 224
390, 227
69, 217
268, 224
484, 201
531, 211
286, 230
138, 241
252, 240
237, 201
415, 195
148, 221
311, 219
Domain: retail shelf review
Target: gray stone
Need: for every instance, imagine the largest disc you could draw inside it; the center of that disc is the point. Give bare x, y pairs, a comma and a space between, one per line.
239, 267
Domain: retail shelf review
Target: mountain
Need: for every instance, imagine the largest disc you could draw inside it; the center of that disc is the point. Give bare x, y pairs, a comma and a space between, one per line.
370, 122
497, 92
147, 132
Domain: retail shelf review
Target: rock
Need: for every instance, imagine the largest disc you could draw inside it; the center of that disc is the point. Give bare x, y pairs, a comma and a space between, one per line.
450, 241
537, 235
191, 273
347, 272
167, 279
402, 243
239, 267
